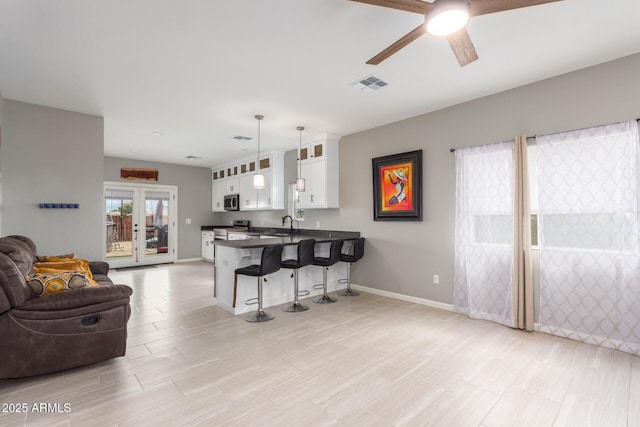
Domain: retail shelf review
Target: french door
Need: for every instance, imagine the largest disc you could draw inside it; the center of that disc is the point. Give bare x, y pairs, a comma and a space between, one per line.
140, 224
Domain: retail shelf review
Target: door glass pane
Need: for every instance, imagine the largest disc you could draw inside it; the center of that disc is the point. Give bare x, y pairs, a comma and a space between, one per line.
157, 222
119, 212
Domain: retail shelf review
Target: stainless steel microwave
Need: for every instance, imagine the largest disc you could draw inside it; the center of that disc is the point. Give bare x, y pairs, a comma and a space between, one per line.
232, 202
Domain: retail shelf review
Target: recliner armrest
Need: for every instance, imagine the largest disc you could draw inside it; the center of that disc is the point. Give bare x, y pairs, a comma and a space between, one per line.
99, 267
78, 298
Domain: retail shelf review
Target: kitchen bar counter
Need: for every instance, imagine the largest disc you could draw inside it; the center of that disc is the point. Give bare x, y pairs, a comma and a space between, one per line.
278, 289
262, 240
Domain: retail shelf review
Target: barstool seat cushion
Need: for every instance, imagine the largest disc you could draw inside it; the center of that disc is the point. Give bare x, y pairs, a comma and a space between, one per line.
324, 262
289, 263
269, 262
250, 270
334, 255
305, 251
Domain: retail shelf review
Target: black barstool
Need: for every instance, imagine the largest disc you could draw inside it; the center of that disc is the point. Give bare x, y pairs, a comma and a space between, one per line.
325, 263
305, 257
358, 253
269, 263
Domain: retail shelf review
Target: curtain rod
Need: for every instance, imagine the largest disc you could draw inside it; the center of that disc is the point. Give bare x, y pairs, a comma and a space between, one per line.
452, 150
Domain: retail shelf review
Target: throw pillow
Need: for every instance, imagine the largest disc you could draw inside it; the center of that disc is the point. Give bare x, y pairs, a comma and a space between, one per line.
66, 265
63, 257
52, 283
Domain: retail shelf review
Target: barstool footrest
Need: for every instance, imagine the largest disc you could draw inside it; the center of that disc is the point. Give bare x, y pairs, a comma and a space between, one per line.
303, 293
251, 301
318, 286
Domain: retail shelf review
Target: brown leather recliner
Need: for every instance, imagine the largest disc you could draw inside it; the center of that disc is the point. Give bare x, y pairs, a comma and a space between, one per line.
40, 335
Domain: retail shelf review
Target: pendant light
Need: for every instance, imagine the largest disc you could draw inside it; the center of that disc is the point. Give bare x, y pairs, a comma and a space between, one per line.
258, 178
300, 184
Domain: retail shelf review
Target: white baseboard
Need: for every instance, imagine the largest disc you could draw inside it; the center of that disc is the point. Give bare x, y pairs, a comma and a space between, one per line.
407, 298
189, 260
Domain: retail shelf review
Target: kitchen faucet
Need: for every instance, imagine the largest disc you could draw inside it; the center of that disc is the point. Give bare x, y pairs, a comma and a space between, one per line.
284, 219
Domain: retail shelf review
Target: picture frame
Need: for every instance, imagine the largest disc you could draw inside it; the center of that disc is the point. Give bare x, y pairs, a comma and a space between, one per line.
397, 187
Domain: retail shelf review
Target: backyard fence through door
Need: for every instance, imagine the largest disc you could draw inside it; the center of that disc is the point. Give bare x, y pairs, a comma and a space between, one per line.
140, 224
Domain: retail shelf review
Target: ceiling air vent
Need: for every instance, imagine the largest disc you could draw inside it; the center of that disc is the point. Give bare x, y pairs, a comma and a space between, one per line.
190, 156
242, 138
369, 84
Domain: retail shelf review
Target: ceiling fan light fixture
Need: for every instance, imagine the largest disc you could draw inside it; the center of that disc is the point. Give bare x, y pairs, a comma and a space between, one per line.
447, 17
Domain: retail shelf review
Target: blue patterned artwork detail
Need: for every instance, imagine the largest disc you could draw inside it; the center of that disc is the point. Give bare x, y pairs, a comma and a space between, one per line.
59, 205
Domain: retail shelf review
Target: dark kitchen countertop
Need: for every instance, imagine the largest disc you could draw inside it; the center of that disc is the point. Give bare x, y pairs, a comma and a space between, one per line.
321, 236
211, 227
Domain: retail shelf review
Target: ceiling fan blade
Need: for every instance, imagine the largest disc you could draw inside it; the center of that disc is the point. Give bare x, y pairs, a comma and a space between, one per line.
415, 6
462, 47
414, 34
484, 7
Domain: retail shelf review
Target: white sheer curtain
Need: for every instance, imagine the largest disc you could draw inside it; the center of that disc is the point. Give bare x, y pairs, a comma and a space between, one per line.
484, 232
588, 183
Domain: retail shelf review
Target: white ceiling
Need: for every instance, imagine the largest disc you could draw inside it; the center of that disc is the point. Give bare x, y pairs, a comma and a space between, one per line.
197, 71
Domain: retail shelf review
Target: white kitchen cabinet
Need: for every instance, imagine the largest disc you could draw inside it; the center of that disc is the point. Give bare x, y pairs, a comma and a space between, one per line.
207, 245
272, 195
265, 195
237, 178
232, 185
248, 194
319, 168
217, 195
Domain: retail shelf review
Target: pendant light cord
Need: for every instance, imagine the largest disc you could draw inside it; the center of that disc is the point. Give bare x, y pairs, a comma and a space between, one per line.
300, 129
258, 118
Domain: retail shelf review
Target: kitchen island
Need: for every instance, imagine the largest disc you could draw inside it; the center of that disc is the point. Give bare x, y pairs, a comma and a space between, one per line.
278, 289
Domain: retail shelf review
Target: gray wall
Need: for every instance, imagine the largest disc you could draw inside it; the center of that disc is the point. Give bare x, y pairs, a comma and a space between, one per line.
52, 155
402, 257
194, 197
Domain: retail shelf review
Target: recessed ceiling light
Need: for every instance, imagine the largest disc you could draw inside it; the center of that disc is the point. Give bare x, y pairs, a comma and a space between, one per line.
156, 133
190, 157
242, 138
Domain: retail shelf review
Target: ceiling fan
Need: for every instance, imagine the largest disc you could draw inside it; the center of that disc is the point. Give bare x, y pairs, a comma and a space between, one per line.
446, 18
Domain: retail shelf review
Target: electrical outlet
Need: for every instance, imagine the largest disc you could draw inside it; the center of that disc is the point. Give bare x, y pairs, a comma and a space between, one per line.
188, 221
436, 279
317, 224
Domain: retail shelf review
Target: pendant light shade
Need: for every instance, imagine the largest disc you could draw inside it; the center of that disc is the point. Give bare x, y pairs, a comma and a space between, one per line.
300, 183
258, 181
447, 17
258, 178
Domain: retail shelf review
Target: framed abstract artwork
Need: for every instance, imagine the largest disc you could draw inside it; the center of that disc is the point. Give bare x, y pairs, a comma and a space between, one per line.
397, 187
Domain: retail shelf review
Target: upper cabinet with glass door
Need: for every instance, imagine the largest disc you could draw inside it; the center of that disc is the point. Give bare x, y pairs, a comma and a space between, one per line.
238, 179
319, 167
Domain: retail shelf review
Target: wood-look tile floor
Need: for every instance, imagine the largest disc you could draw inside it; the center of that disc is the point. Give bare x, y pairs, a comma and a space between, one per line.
363, 361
